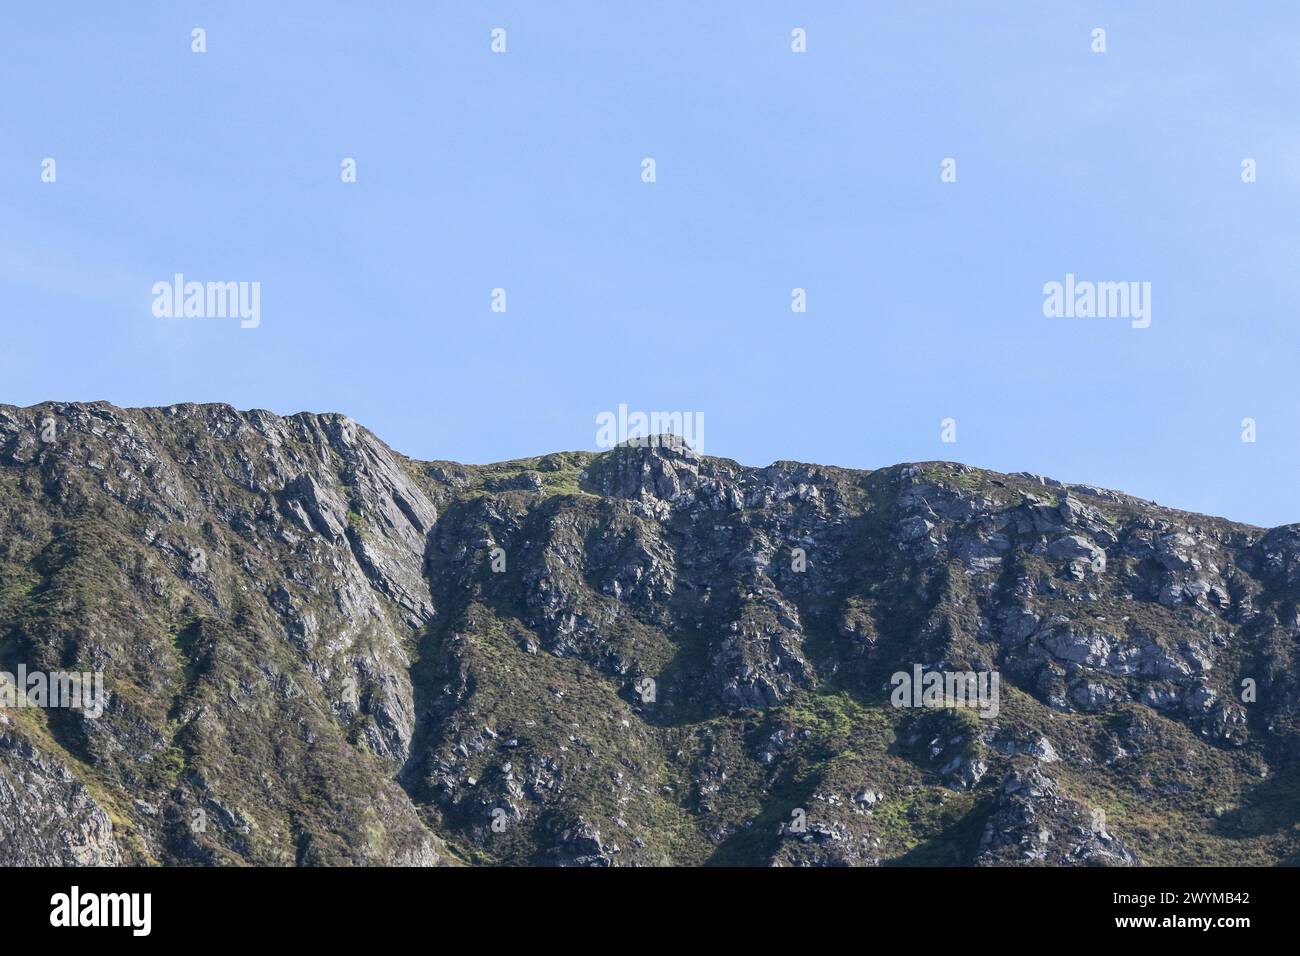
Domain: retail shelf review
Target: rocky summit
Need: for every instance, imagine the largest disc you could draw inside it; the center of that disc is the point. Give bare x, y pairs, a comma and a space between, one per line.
317, 651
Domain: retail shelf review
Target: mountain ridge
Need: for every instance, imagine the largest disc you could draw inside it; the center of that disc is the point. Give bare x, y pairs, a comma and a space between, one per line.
1077, 486
319, 651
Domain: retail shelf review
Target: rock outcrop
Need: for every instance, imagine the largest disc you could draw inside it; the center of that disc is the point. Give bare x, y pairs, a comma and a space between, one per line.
317, 651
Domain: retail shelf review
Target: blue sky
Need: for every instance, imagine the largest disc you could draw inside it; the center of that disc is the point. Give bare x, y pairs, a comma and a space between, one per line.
775, 170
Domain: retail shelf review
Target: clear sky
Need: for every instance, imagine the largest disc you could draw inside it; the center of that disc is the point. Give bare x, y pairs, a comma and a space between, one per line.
774, 170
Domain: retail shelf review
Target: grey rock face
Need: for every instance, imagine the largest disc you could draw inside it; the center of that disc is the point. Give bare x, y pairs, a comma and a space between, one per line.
330, 654
1034, 824
47, 818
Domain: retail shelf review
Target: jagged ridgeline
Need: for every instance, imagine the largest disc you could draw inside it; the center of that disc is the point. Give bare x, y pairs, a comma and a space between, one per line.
317, 651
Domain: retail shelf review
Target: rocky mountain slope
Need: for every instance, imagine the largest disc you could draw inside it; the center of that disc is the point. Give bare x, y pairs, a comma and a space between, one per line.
317, 651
